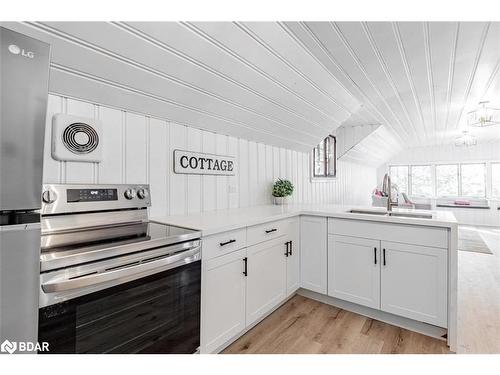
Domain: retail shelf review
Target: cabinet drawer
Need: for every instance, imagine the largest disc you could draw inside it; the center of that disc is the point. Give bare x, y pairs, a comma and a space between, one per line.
224, 243
268, 231
404, 233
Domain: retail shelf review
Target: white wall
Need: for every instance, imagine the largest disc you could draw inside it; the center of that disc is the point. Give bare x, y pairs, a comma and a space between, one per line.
138, 149
450, 153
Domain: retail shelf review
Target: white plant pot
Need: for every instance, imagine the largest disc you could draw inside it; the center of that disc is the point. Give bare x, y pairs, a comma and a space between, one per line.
280, 200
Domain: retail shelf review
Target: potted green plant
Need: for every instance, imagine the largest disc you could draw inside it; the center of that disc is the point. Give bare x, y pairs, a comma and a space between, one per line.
281, 189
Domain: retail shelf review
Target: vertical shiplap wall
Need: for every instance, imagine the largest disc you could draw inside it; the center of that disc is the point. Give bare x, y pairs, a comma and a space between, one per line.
139, 148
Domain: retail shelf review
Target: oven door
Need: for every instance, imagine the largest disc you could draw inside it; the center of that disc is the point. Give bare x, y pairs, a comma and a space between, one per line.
146, 306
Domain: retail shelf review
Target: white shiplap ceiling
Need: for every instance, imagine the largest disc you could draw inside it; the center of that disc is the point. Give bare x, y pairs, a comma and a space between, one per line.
288, 84
419, 79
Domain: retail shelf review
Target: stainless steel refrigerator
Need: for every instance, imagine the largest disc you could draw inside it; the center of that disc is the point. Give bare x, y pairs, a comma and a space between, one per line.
24, 76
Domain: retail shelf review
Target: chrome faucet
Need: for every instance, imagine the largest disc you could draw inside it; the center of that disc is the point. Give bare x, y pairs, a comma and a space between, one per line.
387, 189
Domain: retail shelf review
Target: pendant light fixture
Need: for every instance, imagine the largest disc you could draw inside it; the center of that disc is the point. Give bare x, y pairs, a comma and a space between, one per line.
483, 116
465, 140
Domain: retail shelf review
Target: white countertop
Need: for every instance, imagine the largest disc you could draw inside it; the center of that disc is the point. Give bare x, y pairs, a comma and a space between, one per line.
218, 221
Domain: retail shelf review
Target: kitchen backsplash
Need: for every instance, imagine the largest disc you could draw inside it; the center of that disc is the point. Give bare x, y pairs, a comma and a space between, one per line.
139, 149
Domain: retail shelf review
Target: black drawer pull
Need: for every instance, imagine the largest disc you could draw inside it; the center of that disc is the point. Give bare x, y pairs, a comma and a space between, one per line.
245, 262
383, 257
291, 248
271, 230
375, 254
227, 242
286, 248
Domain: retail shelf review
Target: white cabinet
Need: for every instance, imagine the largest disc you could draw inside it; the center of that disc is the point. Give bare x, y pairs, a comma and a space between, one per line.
414, 282
223, 299
381, 272
313, 253
240, 286
266, 278
354, 270
292, 254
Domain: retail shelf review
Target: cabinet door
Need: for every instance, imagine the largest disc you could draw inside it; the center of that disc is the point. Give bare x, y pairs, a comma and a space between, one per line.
223, 300
414, 282
313, 253
354, 270
293, 258
266, 278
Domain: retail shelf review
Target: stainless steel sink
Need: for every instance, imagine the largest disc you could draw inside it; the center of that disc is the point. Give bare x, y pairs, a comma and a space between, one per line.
414, 215
368, 212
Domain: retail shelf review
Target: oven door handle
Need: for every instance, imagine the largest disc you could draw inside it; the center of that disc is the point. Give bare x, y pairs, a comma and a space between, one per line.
125, 274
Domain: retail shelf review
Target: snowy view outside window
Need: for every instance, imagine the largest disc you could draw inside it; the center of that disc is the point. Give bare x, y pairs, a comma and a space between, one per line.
495, 179
421, 180
399, 176
473, 180
325, 155
447, 180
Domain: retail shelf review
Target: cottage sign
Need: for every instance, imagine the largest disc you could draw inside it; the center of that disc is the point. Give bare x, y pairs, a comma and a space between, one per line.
187, 162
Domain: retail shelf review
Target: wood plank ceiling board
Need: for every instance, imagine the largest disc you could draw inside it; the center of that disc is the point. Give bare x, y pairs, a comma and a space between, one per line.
290, 110
193, 71
355, 70
212, 56
359, 43
366, 144
255, 52
418, 79
165, 76
287, 84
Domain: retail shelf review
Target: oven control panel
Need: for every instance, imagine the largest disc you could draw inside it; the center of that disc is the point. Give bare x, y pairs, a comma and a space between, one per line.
67, 198
91, 195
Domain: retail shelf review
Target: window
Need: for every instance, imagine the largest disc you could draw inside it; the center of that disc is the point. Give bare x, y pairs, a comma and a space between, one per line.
447, 180
495, 180
473, 180
325, 158
421, 180
399, 177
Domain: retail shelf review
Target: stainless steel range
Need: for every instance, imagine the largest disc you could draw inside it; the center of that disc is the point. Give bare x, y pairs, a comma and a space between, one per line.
111, 280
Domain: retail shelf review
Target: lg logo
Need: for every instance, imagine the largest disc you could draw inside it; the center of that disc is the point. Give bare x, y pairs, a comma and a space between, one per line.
20, 51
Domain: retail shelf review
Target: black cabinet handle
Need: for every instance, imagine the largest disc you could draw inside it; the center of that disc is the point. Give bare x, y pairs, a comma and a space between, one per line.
271, 230
384, 257
375, 254
287, 248
227, 242
245, 269
291, 248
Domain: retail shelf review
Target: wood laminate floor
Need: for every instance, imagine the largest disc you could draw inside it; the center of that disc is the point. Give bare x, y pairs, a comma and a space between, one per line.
479, 297
306, 326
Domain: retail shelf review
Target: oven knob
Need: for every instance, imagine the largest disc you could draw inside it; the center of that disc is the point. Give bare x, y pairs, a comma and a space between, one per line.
129, 193
143, 193
49, 196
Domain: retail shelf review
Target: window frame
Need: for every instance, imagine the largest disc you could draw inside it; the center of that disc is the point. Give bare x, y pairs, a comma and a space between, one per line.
408, 174
491, 179
410, 180
488, 177
461, 190
459, 183
325, 176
